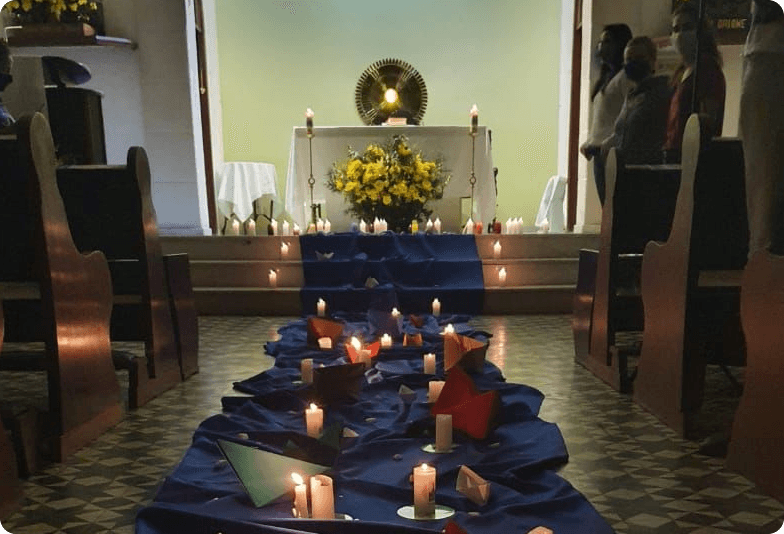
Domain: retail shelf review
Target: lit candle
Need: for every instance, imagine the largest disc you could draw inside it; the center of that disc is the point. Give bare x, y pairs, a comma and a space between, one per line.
327, 226
309, 121
434, 388
443, 432
478, 228
235, 227
508, 226
363, 227
436, 307
296, 230
474, 119
449, 329
300, 497
386, 341
429, 226
319, 225
430, 363
437, 225
322, 497
469, 227
314, 421
395, 314
497, 250
311, 228
424, 491
321, 308
286, 227
502, 275
306, 370
273, 278
284, 249
251, 227
274, 226
325, 343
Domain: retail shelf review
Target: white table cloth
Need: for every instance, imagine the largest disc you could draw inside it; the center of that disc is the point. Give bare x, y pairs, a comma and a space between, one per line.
450, 143
241, 183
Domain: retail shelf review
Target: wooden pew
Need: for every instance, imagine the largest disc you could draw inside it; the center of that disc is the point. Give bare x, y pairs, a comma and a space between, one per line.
110, 209
10, 487
690, 284
49, 288
639, 205
758, 429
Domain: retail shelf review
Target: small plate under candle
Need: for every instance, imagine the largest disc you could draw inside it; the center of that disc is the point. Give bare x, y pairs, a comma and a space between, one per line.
297, 382
431, 448
442, 512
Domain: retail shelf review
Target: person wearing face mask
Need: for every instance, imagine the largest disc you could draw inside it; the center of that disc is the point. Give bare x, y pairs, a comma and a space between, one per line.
608, 95
6, 61
711, 85
638, 133
762, 126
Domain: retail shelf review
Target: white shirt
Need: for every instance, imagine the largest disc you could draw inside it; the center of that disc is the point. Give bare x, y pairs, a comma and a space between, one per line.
606, 108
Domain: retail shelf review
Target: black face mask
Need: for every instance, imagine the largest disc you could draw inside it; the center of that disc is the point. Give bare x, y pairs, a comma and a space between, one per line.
5, 81
636, 70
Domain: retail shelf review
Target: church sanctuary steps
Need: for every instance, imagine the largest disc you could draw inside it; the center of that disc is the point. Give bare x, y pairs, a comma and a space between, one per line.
231, 273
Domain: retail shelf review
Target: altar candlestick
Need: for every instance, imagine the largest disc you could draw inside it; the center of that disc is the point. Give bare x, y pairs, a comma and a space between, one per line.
284, 250
434, 388
436, 308
443, 432
235, 227
273, 278
325, 343
314, 421
437, 225
497, 250
502, 275
286, 228
300, 497
309, 121
251, 227
321, 308
474, 119
429, 361
322, 497
424, 491
306, 370
296, 230
386, 341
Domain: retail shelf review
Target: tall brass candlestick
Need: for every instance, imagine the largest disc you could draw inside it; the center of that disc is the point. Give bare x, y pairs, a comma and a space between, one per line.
472, 132
315, 209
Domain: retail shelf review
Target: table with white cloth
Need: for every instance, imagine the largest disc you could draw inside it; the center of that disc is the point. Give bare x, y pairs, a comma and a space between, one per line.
241, 184
451, 144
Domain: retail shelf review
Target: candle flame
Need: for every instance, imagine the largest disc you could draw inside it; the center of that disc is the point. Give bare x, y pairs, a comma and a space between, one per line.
395, 312
313, 406
474, 111
309, 113
425, 467
355, 343
449, 329
321, 301
297, 479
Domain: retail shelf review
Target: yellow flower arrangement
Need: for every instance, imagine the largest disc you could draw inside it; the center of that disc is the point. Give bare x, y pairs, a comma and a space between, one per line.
392, 182
46, 10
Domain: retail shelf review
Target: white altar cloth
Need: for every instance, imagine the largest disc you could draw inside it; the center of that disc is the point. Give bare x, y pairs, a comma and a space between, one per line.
450, 143
241, 183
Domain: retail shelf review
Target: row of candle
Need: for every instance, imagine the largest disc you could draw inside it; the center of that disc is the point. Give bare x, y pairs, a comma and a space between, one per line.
321, 308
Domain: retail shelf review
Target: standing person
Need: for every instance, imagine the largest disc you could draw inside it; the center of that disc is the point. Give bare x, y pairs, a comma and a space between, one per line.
711, 85
6, 61
608, 95
762, 126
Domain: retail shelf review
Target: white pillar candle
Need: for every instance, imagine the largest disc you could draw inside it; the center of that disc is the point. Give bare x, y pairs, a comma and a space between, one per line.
497, 250
469, 227
436, 307
395, 314
327, 226
251, 227
284, 250
235, 227
325, 343
286, 228
519, 225
311, 228
437, 225
502, 275
321, 308
443, 432
434, 388
319, 225
424, 491
364, 357
429, 226
449, 329
274, 226
273, 278
386, 341
306, 370
322, 497
363, 227
429, 361
314, 421
300, 497
296, 230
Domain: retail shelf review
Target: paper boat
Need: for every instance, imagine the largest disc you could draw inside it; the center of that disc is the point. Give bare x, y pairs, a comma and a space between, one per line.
465, 351
472, 486
319, 327
472, 412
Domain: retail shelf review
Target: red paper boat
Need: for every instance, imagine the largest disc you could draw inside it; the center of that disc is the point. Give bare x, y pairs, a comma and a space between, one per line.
319, 327
472, 412
412, 340
468, 352
353, 353
453, 528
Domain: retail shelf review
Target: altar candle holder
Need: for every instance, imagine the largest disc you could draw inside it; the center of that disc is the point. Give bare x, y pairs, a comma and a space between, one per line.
472, 132
315, 209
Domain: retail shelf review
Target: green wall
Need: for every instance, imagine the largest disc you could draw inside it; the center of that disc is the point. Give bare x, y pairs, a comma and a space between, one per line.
279, 57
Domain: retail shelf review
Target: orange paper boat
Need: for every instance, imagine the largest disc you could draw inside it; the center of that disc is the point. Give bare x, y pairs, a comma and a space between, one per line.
468, 352
472, 412
319, 327
353, 353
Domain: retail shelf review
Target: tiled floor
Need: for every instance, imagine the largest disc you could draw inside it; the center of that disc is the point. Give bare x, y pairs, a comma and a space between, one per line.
635, 472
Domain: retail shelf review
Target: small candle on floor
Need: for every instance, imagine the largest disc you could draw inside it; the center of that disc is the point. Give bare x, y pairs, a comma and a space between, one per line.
325, 343
502, 275
434, 388
321, 308
322, 497
497, 250
284, 250
429, 363
286, 228
314, 421
449, 329
443, 432
296, 230
386, 341
436, 307
395, 313
306, 370
300, 497
273, 278
424, 491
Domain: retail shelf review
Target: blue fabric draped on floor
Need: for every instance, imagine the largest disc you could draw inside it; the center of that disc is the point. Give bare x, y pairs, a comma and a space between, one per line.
411, 271
371, 471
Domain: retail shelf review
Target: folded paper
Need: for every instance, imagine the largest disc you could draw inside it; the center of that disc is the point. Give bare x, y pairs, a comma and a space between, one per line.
384, 322
473, 486
337, 383
324, 256
371, 282
320, 327
348, 433
407, 394
465, 351
453, 528
412, 340
472, 412
417, 320
355, 354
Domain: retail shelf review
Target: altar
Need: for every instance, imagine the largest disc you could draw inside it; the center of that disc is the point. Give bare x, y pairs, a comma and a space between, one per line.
452, 144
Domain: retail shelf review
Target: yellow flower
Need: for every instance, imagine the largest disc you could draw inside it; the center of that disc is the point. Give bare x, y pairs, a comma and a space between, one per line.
351, 185
387, 200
